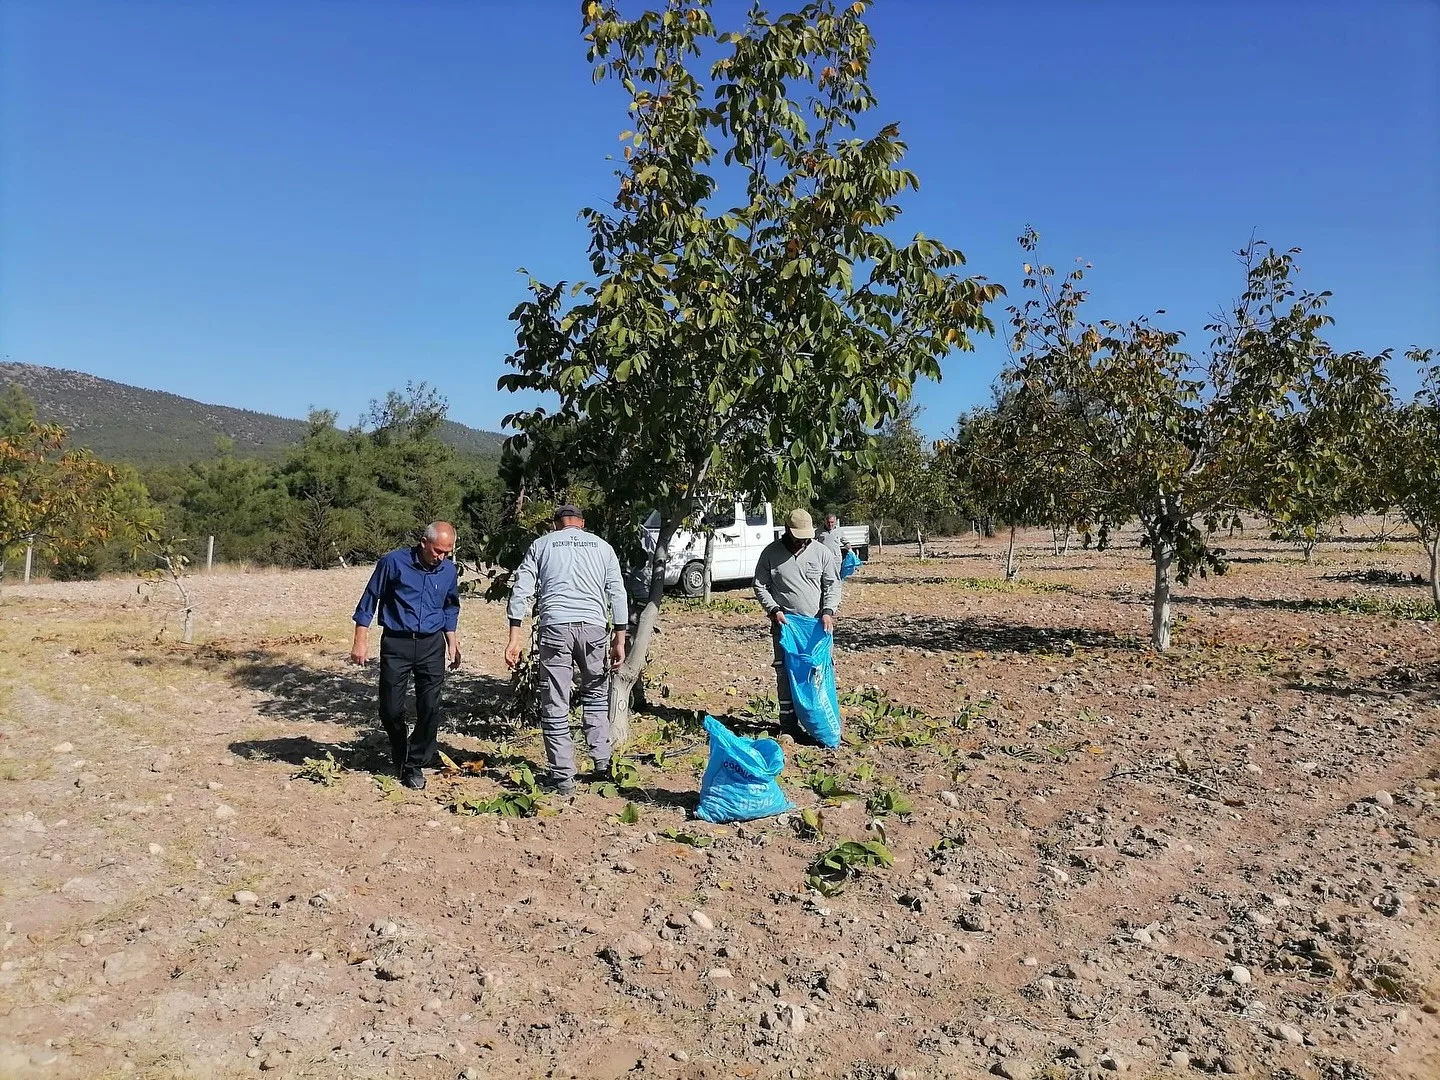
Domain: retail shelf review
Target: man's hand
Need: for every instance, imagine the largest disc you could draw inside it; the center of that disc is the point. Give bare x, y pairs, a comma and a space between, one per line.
512, 648
617, 648
778, 617
828, 622
454, 657
360, 648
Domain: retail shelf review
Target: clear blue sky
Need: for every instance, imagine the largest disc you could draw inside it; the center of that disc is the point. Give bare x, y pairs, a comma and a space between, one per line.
284, 203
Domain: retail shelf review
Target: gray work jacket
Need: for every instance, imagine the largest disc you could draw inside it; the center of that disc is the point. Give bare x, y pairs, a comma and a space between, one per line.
576, 575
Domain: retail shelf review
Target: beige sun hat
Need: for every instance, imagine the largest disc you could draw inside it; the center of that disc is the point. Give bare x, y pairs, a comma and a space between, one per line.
800, 525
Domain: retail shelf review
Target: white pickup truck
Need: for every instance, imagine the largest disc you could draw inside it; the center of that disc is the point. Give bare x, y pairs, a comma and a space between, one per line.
742, 532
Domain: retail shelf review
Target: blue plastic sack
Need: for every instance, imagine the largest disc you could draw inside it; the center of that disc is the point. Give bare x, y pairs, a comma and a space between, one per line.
810, 667
849, 564
739, 782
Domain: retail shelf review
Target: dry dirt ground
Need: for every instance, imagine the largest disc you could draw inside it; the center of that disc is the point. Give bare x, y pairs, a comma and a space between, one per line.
1219, 860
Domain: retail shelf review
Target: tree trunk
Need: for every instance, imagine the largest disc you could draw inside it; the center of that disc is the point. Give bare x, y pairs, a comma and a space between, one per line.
1011, 571
989, 527
624, 678
1055, 539
709, 565
920, 542
187, 628
1433, 544
1160, 613
880, 534
1065, 546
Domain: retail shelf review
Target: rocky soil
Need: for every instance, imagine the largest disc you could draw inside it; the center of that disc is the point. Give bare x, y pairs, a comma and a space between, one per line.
1222, 860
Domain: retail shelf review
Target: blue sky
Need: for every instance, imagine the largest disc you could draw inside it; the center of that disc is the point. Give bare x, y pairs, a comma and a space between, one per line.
285, 203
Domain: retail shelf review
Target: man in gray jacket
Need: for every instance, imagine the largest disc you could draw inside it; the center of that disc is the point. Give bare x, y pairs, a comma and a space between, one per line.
830, 537
796, 576
581, 607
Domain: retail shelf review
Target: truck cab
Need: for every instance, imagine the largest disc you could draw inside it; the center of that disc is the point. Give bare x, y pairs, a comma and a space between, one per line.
742, 531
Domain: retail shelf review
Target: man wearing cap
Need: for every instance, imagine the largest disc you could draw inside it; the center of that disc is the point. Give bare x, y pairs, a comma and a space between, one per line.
416, 593
796, 576
574, 577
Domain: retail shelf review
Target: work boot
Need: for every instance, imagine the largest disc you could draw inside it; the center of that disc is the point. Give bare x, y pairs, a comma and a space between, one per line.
790, 725
414, 779
562, 786
601, 770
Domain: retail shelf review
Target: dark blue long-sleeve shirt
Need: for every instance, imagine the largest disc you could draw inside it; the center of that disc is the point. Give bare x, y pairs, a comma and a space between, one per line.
410, 597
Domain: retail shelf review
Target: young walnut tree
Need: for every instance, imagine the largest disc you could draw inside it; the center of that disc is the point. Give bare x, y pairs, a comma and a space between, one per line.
1181, 442
748, 296
1409, 454
52, 498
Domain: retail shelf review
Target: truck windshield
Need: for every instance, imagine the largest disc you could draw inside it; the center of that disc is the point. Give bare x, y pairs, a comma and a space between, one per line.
721, 517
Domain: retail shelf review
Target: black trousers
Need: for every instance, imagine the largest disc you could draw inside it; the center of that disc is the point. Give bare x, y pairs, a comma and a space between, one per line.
401, 659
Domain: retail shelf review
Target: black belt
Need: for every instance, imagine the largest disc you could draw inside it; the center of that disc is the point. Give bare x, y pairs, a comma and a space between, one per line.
411, 633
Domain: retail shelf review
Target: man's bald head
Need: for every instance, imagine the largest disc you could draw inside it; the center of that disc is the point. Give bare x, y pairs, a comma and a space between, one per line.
437, 543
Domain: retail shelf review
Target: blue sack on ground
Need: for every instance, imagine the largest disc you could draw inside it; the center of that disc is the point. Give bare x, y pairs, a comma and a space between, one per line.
810, 666
849, 564
739, 782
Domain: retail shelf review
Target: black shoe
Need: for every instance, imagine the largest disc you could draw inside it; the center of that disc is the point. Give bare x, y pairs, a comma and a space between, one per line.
601, 770
414, 779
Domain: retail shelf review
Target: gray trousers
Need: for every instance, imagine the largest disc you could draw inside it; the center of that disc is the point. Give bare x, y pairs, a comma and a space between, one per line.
565, 649
782, 681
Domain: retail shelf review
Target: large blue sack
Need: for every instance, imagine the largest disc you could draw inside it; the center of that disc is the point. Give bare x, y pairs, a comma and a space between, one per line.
810, 666
849, 564
739, 782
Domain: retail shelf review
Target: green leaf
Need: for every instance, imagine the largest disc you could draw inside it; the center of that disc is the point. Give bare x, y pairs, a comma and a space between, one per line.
698, 840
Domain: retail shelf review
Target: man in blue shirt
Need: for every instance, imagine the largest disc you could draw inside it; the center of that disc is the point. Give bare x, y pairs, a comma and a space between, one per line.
416, 591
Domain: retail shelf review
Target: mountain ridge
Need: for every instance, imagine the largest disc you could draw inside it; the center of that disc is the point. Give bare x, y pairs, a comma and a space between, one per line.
135, 424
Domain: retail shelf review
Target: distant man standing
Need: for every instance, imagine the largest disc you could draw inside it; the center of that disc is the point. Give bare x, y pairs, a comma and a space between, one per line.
796, 576
831, 537
416, 592
581, 606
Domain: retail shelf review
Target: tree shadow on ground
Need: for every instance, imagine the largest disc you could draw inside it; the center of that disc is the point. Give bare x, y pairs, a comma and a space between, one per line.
1325, 606
1420, 683
664, 798
967, 635
951, 555
367, 753
361, 753
1372, 576
474, 704
752, 727
897, 579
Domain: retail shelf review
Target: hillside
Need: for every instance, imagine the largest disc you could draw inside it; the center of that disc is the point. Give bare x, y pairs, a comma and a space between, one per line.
150, 427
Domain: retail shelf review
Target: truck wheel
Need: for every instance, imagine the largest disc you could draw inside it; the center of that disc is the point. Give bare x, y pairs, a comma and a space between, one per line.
864, 552
692, 579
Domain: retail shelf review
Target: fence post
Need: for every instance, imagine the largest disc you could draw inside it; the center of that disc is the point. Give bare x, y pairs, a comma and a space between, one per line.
29, 556
210, 555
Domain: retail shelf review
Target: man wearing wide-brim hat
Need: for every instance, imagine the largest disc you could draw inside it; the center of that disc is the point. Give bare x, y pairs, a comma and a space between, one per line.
796, 576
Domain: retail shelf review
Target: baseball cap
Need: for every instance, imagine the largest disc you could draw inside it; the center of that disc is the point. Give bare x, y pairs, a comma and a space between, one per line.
568, 511
800, 525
